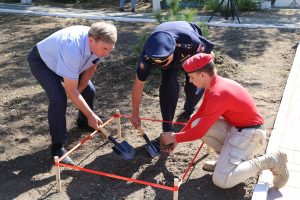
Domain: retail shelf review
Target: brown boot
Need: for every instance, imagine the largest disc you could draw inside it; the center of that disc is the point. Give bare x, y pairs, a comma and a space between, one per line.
276, 162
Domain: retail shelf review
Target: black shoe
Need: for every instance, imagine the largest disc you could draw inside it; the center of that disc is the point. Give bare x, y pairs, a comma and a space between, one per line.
184, 117
81, 124
133, 10
121, 9
62, 151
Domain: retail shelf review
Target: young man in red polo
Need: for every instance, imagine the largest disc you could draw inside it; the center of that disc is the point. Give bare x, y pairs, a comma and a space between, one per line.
228, 121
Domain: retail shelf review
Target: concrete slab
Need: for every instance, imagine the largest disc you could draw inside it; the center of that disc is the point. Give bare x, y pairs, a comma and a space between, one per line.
285, 136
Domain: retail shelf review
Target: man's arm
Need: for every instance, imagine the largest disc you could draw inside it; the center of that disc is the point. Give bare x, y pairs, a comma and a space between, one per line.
75, 96
85, 77
137, 92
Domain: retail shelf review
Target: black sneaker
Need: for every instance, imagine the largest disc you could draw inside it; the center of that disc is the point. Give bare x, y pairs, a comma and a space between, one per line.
121, 9
133, 10
81, 124
62, 151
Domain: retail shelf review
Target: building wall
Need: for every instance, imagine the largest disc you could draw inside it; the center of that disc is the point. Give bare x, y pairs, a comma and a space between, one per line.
286, 3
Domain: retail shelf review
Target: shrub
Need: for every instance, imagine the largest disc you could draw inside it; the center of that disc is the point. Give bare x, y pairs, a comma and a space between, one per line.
211, 5
248, 5
174, 13
138, 47
241, 5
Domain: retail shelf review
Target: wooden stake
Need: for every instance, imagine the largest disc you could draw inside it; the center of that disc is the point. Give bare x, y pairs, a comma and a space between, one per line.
118, 120
57, 173
208, 149
175, 193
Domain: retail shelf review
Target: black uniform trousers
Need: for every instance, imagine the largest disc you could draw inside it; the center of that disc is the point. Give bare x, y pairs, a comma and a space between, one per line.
169, 93
52, 84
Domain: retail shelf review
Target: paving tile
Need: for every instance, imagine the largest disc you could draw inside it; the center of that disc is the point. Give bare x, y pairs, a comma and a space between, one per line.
292, 166
288, 138
296, 159
294, 179
285, 193
289, 142
293, 123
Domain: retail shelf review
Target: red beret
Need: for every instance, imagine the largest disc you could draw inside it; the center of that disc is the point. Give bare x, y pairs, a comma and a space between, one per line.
196, 62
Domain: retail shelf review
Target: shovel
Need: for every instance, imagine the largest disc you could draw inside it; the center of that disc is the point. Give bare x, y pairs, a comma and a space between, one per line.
152, 147
123, 149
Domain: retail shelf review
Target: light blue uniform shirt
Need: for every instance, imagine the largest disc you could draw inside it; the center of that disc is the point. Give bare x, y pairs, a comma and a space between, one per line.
67, 52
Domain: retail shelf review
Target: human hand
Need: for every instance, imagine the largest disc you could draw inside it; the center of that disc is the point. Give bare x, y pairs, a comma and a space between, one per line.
169, 148
94, 121
135, 121
168, 137
167, 142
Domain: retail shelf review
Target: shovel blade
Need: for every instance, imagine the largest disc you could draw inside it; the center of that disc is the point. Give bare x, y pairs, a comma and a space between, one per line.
151, 146
153, 149
124, 150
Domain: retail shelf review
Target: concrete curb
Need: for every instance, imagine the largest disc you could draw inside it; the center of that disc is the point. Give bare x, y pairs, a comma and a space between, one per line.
139, 18
265, 179
253, 25
76, 15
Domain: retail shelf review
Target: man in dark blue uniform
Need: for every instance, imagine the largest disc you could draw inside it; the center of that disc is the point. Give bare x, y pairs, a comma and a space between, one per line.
168, 46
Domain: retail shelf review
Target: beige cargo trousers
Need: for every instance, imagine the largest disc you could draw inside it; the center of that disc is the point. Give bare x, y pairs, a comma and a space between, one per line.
236, 149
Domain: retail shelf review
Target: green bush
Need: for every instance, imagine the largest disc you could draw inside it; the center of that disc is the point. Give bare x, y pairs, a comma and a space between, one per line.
241, 5
191, 1
174, 13
248, 5
204, 28
189, 14
211, 5
138, 47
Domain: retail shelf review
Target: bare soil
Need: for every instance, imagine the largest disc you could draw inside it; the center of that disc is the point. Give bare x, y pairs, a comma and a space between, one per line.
259, 59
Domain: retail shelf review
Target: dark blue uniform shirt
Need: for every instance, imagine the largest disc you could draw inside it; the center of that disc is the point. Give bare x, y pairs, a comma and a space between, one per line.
188, 37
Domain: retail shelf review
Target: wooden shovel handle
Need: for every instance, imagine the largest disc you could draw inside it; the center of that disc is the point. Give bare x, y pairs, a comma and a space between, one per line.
142, 132
104, 131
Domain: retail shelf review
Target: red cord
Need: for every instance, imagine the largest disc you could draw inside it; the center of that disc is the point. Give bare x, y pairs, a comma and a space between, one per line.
118, 177
175, 188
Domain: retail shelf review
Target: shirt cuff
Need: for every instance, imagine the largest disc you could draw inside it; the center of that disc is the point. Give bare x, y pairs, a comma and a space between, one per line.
180, 137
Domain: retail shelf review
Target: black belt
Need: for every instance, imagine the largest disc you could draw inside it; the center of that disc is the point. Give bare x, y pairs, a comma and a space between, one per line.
257, 126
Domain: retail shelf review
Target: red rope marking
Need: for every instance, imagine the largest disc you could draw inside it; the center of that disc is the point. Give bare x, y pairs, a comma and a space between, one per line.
108, 121
155, 120
175, 188
84, 140
118, 115
190, 165
118, 177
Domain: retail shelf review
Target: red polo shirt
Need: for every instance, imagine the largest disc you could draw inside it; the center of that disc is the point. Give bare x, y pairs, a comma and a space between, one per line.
224, 98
